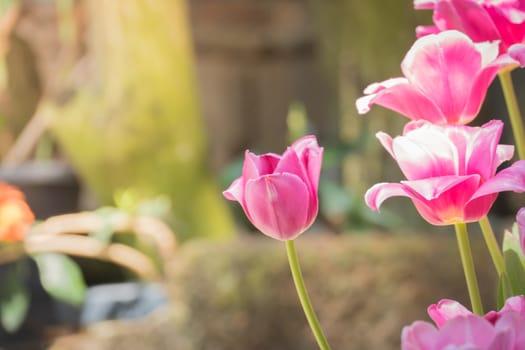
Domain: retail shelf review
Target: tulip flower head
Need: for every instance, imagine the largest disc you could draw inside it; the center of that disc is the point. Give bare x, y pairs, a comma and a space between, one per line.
500, 21
450, 170
278, 193
15, 214
446, 310
458, 328
446, 77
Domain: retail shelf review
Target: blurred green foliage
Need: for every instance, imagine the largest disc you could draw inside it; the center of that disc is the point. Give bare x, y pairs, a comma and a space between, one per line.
14, 297
135, 121
59, 275
512, 281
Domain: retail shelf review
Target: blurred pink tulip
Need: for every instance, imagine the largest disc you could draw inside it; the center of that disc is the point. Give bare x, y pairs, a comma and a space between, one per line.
450, 170
446, 310
279, 193
458, 328
515, 304
446, 80
481, 20
520, 218
470, 332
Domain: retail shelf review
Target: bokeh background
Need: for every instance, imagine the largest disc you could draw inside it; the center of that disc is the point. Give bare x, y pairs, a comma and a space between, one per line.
147, 106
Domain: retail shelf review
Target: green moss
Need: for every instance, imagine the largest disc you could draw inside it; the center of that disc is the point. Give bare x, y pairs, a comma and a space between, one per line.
137, 123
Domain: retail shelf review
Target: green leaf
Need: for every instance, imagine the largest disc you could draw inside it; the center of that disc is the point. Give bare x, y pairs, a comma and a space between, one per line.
504, 289
515, 271
61, 277
14, 298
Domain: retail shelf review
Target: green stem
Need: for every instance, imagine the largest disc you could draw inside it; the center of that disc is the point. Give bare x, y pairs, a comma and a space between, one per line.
492, 245
303, 296
514, 112
468, 267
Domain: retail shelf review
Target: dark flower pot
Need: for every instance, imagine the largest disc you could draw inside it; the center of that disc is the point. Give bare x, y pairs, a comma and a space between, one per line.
51, 187
48, 317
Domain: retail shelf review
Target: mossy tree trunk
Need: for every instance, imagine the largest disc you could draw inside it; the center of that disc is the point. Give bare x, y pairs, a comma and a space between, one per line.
134, 121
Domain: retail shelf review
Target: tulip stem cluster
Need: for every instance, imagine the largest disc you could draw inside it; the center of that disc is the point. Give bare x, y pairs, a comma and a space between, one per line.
468, 267
303, 296
492, 245
514, 111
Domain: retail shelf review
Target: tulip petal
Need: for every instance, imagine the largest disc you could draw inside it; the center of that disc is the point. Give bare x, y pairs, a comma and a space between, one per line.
433, 188
415, 124
314, 165
517, 52
422, 31
509, 179
446, 310
377, 194
387, 142
481, 150
397, 94
305, 143
508, 20
278, 205
255, 166
477, 208
442, 66
425, 152
311, 155
235, 191
424, 4
503, 339
515, 303
520, 218
468, 17
477, 93
513, 10
503, 153
441, 200
466, 330
511, 326
489, 52
418, 336
290, 163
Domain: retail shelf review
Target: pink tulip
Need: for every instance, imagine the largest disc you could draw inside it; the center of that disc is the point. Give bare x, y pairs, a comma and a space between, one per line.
515, 304
446, 80
470, 332
481, 20
520, 218
279, 193
446, 309
450, 170
458, 328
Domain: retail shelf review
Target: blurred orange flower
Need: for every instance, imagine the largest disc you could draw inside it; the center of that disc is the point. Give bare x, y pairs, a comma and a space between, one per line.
15, 214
